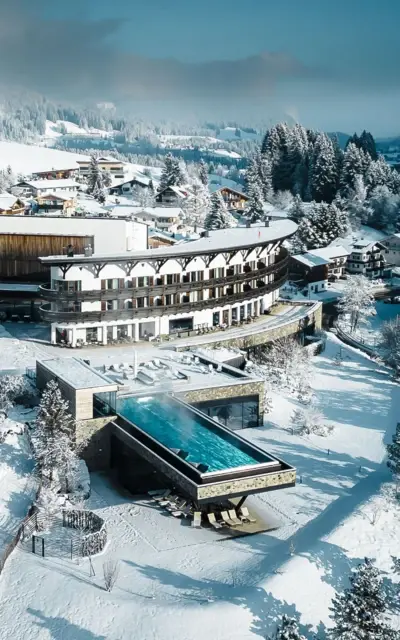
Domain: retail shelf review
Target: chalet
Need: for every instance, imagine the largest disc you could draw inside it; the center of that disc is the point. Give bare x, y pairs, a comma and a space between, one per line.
309, 272
337, 258
367, 259
11, 205
234, 200
65, 202
392, 249
128, 187
115, 167
35, 188
166, 219
172, 196
159, 239
55, 174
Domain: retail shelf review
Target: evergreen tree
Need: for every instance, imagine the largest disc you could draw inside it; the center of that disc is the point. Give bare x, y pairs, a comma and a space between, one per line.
296, 211
365, 142
357, 205
298, 158
218, 216
379, 174
172, 174
357, 300
252, 175
359, 613
95, 178
385, 209
203, 173
53, 417
353, 165
322, 224
106, 179
325, 171
393, 452
254, 208
197, 204
265, 172
288, 630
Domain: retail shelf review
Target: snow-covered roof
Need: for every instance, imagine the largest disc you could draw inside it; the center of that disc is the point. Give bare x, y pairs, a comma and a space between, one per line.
65, 195
159, 212
144, 180
50, 184
102, 159
180, 191
310, 260
76, 374
367, 245
329, 253
217, 187
7, 200
218, 240
276, 213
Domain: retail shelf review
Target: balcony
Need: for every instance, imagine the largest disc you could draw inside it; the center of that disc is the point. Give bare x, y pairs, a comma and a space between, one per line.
158, 310
166, 289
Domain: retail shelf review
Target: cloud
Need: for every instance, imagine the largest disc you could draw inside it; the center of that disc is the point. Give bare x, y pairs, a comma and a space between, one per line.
74, 59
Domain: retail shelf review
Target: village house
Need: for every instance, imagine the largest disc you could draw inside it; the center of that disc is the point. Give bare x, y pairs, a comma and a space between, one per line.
172, 196
160, 239
392, 249
367, 259
234, 200
56, 174
35, 188
128, 187
337, 258
116, 168
163, 218
309, 272
11, 205
65, 202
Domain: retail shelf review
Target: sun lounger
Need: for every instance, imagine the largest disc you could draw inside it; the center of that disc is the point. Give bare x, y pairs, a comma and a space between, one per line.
176, 505
225, 517
245, 515
196, 519
233, 517
163, 496
213, 521
185, 512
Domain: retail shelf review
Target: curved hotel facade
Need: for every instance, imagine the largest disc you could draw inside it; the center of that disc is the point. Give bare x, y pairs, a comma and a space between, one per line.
220, 279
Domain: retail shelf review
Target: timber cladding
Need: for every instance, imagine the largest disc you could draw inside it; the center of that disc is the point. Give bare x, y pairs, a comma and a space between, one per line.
19, 253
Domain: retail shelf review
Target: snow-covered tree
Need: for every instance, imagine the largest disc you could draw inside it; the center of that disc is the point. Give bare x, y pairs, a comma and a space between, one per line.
283, 200
288, 630
325, 175
95, 177
197, 204
296, 211
393, 453
106, 179
322, 224
265, 171
310, 420
357, 300
390, 343
359, 612
218, 217
284, 364
53, 417
357, 206
203, 173
10, 388
354, 164
254, 206
48, 505
379, 174
385, 208
172, 173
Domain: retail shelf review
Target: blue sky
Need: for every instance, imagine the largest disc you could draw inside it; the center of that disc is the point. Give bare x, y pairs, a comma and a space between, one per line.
332, 58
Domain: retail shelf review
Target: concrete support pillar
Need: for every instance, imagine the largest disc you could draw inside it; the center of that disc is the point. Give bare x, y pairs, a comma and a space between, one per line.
157, 327
104, 329
115, 332
53, 334
136, 331
72, 337
129, 330
99, 334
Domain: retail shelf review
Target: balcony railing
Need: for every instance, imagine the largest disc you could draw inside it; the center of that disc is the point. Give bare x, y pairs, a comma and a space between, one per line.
158, 310
165, 289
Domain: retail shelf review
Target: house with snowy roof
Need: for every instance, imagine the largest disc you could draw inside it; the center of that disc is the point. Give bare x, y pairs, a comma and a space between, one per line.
172, 196
235, 200
116, 168
392, 249
337, 259
367, 258
309, 272
127, 187
11, 205
35, 188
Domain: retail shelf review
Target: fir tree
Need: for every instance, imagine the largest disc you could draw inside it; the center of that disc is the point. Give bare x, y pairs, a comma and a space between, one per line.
203, 173
322, 224
353, 165
296, 211
359, 613
106, 179
172, 174
95, 179
288, 630
325, 176
197, 204
265, 173
254, 208
393, 453
379, 174
53, 417
218, 216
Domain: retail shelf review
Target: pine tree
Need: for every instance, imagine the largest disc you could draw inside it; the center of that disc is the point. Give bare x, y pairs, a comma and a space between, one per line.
359, 613
172, 175
354, 162
198, 202
106, 179
254, 207
288, 630
357, 205
218, 216
203, 173
379, 174
385, 208
53, 417
95, 181
393, 452
265, 171
325, 171
296, 211
322, 224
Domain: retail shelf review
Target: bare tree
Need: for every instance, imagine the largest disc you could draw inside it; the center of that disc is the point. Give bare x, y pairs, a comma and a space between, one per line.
110, 573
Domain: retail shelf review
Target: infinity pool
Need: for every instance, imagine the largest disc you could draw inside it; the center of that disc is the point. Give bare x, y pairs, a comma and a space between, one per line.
178, 428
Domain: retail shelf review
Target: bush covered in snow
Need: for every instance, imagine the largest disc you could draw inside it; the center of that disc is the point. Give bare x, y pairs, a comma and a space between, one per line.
10, 388
310, 420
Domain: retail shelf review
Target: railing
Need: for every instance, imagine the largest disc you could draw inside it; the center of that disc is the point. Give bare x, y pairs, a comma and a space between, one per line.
144, 312
158, 290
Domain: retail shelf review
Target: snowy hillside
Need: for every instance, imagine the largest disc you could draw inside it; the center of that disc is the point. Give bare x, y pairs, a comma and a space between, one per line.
64, 127
25, 159
229, 134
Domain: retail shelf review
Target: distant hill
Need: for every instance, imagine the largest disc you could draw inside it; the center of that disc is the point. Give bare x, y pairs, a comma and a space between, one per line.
342, 137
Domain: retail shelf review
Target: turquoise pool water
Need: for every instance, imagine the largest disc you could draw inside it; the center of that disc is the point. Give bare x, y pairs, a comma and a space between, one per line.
176, 428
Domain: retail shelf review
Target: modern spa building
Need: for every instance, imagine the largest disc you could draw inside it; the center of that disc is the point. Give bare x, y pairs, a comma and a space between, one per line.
220, 279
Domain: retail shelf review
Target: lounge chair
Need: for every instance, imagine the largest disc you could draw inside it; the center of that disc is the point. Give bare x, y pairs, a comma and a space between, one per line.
233, 517
225, 517
245, 516
185, 512
213, 521
177, 505
163, 496
196, 519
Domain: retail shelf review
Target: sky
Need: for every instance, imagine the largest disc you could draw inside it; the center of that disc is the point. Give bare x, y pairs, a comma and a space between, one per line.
329, 64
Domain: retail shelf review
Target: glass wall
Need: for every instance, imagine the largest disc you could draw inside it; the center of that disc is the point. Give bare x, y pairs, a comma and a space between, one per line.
234, 413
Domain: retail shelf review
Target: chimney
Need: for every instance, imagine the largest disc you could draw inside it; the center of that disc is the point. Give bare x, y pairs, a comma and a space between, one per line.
267, 222
88, 251
248, 224
206, 234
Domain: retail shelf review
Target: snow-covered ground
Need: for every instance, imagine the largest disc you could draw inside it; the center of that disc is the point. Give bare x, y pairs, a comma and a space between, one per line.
26, 159
176, 582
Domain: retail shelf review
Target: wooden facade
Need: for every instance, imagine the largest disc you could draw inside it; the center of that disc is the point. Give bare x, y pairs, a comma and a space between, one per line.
17, 209
55, 174
19, 254
232, 198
